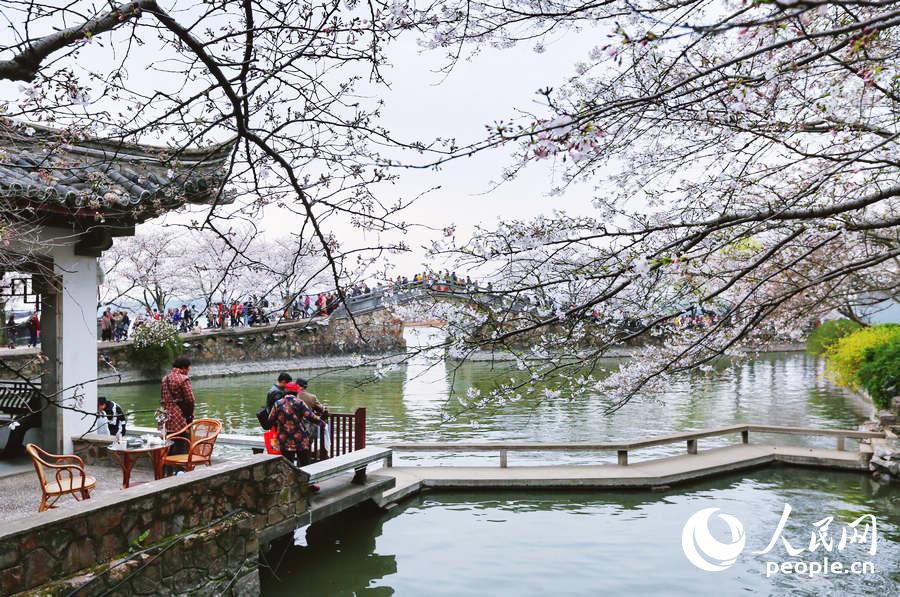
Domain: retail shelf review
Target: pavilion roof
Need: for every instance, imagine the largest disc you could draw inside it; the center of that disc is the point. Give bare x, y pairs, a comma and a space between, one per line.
67, 179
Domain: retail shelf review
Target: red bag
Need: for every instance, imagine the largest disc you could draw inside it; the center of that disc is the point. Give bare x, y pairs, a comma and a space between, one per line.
270, 438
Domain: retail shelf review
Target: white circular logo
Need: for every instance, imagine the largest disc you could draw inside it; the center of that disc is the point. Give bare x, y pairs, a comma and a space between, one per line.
703, 550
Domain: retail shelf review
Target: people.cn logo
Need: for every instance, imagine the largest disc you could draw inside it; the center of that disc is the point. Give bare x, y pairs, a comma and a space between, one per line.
705, 551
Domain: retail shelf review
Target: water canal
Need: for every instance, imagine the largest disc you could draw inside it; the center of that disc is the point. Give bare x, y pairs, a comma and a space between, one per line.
573, 543
416, 402
590, 543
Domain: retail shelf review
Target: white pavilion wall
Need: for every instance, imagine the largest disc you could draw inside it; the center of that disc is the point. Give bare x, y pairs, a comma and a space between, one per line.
78, 339
76, 335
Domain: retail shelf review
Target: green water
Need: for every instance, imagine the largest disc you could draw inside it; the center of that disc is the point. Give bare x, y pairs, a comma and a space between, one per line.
417, 402
590, 543
549, 543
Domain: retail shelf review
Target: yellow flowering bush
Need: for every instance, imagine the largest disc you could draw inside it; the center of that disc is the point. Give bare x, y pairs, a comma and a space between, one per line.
845, 356
828, 333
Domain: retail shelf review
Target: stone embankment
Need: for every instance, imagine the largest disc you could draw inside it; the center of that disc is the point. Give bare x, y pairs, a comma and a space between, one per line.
885, 462
310, 343
197, 533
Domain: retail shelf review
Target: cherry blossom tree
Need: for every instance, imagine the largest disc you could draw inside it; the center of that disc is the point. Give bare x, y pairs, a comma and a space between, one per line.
742, 155
279, 78
292, 270
145, 269
743, 158
162, 267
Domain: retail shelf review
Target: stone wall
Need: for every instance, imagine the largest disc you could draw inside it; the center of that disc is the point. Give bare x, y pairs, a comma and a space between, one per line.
21, 362
201, 526
246, 350
221, 559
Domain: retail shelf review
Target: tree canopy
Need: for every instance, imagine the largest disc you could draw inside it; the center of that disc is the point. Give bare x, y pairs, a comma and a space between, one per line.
743, 155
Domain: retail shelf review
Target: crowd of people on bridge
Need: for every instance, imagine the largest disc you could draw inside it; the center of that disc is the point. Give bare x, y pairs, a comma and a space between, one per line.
308, 306
119, 325
114, 326
445, 278
248, 313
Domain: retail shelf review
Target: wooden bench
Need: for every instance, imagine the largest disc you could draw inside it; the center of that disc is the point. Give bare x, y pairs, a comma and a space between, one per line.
20, 402
355, 461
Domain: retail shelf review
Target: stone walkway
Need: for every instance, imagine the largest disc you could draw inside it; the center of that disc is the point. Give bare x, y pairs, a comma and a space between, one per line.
20, 494
15, 467
646, 475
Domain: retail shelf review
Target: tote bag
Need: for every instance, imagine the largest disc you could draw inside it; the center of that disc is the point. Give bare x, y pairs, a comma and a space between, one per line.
270, 438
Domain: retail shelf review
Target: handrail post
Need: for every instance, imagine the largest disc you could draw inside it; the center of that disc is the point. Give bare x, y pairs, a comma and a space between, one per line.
692, 446
840, 443
359, 429
745, 436
503, 458
623, 457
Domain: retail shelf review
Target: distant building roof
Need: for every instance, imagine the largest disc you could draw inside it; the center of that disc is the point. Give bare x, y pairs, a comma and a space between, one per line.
64, 180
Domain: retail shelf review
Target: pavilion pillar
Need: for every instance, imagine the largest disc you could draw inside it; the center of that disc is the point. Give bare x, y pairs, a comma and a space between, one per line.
51, 419
69, 341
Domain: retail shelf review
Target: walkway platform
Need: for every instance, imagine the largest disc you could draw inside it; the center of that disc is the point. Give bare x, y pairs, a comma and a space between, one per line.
638, 475
12, 468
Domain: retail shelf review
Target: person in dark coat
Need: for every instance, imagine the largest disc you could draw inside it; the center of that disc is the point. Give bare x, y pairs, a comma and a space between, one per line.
277, 389
34, 329
114, 415
11, 331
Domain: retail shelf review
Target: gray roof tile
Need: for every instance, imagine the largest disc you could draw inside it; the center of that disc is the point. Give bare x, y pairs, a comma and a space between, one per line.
43, 168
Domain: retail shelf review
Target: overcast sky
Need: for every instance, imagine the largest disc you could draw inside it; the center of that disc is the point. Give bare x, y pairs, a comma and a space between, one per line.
421, 104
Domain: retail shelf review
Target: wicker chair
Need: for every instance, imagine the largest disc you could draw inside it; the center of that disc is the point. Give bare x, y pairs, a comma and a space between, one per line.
203, 434
68, 476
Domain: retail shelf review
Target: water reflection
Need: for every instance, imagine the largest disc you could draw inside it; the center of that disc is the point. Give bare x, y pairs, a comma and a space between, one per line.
426, 392
586, 543
337, 543
416, 402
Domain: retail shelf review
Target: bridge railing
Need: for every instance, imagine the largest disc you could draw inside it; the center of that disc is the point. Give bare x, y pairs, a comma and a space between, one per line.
622, 449
362, 303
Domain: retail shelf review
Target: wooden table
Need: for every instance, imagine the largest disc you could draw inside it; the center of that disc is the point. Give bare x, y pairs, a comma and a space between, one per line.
125, 456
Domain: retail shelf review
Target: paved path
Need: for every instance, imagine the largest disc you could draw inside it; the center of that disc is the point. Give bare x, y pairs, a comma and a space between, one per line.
648, 474
20, 494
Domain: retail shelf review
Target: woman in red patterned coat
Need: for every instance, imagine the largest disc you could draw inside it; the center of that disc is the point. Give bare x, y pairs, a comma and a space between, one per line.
294, 438
177, 401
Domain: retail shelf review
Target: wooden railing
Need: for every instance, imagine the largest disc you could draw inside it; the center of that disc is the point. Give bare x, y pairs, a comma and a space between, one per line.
348, 433
622, 449
19, 397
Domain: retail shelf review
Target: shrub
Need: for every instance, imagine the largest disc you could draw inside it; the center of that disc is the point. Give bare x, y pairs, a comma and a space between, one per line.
828, 333
155, 345
845, 356
879, 373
